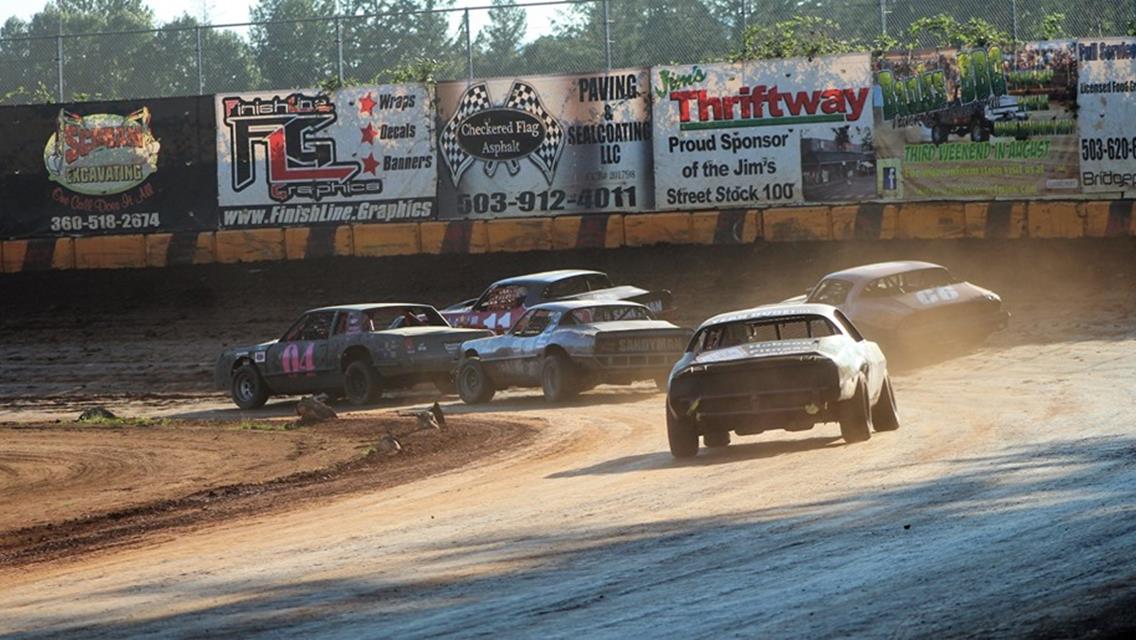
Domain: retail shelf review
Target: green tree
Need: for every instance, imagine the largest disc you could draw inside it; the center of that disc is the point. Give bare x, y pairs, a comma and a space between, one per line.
382, 36
296, 48
498, 46
799, 36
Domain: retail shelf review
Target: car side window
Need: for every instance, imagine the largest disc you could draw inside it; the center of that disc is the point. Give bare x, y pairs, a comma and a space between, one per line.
317, 326
538, 321
566, 287
296, 330
503, 298
833, 292
884, 287
848, 327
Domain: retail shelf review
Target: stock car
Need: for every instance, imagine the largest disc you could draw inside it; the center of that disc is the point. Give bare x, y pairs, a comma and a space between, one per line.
907, 303
355, 351
569, 346
777, 367
506, 300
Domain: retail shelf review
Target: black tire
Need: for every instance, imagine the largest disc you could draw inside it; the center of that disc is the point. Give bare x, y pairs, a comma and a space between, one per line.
940, 133
681, 437
361, 383
248, 389
716, 439
856, 416
474, 386
559, 379
445, 385
885, 416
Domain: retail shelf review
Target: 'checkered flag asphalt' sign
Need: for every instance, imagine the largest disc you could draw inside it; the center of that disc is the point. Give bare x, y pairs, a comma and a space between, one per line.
523, 98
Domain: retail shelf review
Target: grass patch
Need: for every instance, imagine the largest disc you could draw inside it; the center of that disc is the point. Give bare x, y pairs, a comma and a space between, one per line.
252, 425
119, 421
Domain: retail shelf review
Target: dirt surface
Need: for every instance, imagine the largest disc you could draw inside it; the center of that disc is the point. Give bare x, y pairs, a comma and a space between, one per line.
71, 489
1002, 507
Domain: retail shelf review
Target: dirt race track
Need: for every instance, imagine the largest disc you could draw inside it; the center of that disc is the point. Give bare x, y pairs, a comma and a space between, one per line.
1003, 507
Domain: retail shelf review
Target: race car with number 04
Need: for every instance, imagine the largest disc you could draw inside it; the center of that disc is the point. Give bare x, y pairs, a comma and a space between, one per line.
357, 351
570, 346
908, 303
505, 301
777, 367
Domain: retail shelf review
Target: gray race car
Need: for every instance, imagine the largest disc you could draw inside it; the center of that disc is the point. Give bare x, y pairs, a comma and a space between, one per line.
908, 303
777, 367
569, 346
352, 350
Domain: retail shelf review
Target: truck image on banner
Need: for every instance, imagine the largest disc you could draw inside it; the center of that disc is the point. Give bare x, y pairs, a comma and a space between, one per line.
545, 145
763, 132
977, 123
362, 154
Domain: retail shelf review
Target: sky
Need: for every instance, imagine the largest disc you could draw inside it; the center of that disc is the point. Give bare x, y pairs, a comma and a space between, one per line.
232, 11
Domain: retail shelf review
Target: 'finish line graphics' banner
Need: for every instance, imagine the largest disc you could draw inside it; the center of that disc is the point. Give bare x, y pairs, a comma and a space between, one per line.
362, 154
978, 123
545, 145
1107, 114
763, 132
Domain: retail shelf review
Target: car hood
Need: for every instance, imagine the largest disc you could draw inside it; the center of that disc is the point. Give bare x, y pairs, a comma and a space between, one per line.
246, 349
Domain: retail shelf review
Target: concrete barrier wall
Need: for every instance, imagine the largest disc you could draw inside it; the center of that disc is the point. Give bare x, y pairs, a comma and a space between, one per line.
1041, 219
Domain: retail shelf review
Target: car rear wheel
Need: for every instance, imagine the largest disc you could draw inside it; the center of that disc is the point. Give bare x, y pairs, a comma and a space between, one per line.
681, 437
856, 416
885, 416
474, 386
717, 439
248, 388
361, 383
559, 379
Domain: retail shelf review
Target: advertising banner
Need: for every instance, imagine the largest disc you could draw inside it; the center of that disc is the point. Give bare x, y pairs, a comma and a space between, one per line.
545, 145
980, 123
93, 168
1107, 114
298, 158
763, 132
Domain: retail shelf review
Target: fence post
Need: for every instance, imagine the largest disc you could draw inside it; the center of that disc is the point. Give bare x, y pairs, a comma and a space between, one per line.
468, 46
59, 62
1014, 14
200, 67
607, 35
883, 17
339, 50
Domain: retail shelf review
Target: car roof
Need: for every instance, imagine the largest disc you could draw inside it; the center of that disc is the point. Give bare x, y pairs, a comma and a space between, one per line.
569, 305
881, 270
778, 310
547, 277
364, 306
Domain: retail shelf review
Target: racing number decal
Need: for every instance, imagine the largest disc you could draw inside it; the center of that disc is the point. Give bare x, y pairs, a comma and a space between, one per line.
292, 363
938, 294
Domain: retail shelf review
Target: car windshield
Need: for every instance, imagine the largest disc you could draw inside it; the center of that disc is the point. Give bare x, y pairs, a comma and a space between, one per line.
732, 334
609, 313
386, 318
832, 291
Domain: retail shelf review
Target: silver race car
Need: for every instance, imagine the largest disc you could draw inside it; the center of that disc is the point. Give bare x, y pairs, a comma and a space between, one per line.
777, 367
909, 303
569, 346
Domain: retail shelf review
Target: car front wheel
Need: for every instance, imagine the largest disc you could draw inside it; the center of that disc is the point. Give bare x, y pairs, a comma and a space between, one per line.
474, 386
248, 388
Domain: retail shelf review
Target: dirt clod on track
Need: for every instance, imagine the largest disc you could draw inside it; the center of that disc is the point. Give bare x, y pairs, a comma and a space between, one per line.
1002, 507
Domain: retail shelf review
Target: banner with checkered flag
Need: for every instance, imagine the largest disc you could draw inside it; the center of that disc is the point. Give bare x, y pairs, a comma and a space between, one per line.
524, 98
475, 99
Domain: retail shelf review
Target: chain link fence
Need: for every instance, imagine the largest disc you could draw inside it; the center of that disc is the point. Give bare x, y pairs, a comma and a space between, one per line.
570, 36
